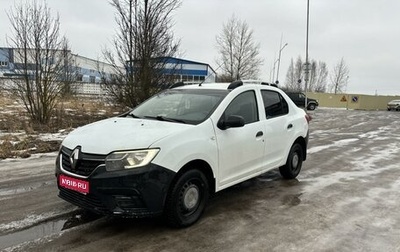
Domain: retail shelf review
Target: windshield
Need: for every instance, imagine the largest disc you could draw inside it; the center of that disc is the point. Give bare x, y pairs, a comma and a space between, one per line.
191, 106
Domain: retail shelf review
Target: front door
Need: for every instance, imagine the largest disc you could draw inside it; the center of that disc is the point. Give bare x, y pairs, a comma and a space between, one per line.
241, 150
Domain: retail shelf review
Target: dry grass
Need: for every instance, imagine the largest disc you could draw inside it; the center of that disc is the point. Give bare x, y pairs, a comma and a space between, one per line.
20, 138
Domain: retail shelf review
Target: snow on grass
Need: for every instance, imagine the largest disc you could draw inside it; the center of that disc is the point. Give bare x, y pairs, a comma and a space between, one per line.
53, 136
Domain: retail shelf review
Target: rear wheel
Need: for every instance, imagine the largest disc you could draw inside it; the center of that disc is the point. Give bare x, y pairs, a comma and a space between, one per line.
294, 162
187, 199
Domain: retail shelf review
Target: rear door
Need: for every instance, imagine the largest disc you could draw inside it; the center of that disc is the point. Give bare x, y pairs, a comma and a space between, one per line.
278, 128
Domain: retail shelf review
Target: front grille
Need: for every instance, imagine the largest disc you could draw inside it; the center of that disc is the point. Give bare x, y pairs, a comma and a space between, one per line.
87, 201
86, 164
90, 202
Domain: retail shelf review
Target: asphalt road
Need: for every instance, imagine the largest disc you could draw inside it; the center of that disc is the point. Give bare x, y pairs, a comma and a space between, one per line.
346, 198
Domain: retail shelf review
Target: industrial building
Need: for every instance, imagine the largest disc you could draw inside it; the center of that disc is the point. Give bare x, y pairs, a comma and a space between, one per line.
189, 71
88, 73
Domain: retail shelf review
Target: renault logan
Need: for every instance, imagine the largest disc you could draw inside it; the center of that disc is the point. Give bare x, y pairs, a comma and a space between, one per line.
169, 154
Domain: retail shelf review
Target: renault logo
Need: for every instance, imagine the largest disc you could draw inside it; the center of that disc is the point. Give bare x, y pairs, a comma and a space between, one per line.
74, 157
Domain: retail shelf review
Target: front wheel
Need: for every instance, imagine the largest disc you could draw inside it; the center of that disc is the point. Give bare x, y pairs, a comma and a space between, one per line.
187, 199
311, 106
294, 162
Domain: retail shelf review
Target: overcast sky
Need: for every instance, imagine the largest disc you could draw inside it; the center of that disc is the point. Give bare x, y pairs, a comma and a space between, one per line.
364, 32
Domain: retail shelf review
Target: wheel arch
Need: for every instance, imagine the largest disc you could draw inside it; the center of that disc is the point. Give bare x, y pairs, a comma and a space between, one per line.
202, 166
310, 104
303, 143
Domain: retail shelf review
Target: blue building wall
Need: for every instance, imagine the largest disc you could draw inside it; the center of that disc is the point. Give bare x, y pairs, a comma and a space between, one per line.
86, 72
186, 70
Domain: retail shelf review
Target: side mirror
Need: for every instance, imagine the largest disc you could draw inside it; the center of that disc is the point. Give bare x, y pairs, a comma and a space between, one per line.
233, 121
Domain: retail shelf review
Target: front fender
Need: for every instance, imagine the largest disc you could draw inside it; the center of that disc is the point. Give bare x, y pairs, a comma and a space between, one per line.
194, 143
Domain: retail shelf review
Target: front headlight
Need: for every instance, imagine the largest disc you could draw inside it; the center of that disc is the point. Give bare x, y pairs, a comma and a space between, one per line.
129, 159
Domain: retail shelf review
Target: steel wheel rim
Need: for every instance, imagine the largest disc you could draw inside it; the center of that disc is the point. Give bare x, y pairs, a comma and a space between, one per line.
191, 196
295, 161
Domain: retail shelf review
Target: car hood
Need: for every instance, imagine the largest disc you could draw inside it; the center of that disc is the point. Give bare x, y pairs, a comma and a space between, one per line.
120, 133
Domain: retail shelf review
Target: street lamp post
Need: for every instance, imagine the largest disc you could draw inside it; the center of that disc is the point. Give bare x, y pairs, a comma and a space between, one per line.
273, 71
307, 68
279, 62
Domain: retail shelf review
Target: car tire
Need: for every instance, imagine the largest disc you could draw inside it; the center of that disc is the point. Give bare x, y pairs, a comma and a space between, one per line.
294, 162
311, 106
187, 199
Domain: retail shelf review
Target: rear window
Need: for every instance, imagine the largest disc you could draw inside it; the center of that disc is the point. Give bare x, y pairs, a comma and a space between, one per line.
274, 104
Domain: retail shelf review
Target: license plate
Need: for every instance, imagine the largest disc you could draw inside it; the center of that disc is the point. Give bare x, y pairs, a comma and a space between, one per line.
74, 184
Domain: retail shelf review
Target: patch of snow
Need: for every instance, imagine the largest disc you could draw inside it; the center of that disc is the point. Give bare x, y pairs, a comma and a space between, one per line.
24, 245
52, 136
361, 168
376, 133
8, 192
339, 143
33, 157
28, 221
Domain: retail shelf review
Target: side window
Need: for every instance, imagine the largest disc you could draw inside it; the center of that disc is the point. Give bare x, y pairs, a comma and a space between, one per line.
244, 105
274, 103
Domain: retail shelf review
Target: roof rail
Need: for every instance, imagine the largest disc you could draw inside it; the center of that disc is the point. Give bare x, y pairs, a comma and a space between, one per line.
259, 82
269, 84
178, 84
235, 84
238, 83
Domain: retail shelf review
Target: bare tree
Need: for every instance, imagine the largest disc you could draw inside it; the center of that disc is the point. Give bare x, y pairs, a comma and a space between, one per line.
38, 56
143, 45
294, 75
291, 80
318, 76
339, 77
70, 71
321, 75
238, 52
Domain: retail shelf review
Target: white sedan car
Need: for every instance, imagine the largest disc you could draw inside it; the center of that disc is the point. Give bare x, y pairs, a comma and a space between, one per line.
166, 156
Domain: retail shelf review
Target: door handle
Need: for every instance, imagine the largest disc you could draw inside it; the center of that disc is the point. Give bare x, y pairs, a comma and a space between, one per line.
290, 126
260, 133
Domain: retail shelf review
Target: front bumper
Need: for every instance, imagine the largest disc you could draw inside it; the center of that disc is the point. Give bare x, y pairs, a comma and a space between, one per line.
138, 192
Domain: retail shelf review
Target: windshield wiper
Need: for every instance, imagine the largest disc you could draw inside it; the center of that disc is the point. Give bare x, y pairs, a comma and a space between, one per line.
133, 115
166, 119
